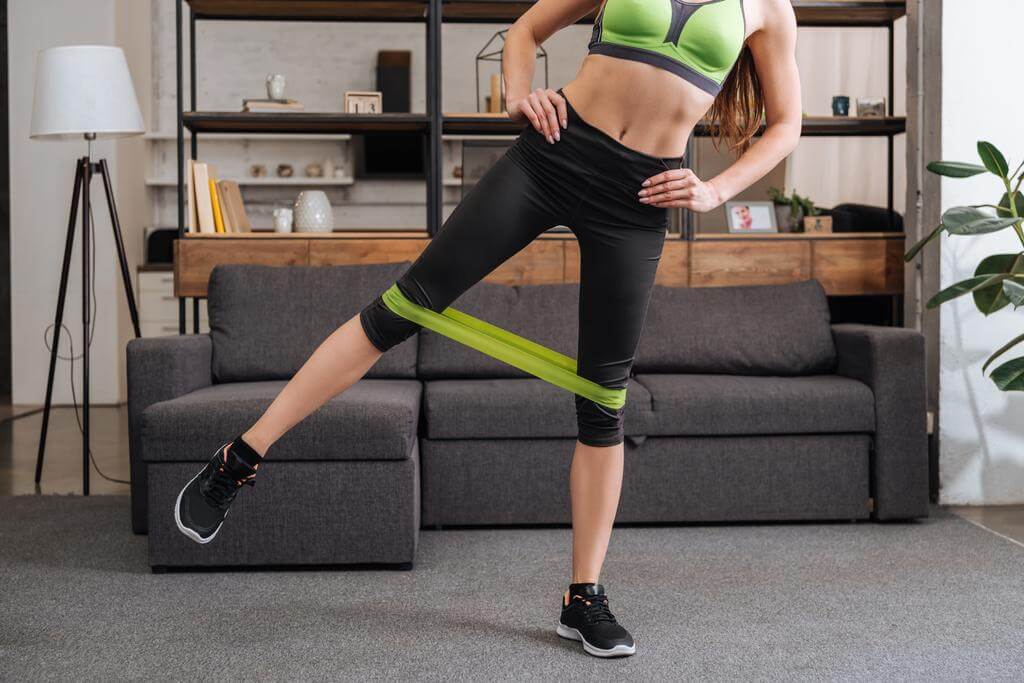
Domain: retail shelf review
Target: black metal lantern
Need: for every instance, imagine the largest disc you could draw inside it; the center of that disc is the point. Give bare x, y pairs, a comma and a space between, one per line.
493, 51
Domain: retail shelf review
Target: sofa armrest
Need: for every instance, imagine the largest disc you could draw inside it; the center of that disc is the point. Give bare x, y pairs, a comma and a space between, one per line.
891, 361
159, 369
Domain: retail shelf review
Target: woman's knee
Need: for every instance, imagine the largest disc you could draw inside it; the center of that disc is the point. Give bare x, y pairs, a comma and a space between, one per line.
383, 327
598, 425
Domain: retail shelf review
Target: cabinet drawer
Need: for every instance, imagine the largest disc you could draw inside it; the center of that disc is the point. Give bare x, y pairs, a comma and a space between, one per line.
156, 280
162, 306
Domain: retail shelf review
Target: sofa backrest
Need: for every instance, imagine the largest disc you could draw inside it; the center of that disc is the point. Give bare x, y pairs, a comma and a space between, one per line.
545, 314
266, 321
757, 330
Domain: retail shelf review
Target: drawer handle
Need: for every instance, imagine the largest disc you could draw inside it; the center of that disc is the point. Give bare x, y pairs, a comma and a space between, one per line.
169, 297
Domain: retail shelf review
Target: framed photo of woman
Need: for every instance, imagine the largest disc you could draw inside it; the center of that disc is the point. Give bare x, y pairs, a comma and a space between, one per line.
747, 217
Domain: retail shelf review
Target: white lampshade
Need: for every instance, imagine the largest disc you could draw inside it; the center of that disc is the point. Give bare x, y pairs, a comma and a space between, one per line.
84, 89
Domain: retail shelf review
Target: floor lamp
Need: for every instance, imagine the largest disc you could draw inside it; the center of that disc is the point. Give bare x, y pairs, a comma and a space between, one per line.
84, 92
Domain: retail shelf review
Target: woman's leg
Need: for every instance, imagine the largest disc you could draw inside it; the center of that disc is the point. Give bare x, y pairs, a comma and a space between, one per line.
595, 480
506, 210
618, 263
338, 363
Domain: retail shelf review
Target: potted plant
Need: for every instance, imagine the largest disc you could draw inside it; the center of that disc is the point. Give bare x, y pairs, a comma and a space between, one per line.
998, 281
791, 211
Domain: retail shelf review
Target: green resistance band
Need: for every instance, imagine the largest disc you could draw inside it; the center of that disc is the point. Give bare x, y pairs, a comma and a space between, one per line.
528, 356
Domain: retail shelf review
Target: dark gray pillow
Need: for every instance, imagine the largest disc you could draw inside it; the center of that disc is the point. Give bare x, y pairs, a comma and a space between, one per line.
265, 321
546, 314
757, 330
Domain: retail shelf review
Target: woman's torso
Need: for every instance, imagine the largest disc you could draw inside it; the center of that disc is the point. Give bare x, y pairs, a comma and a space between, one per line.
645, 107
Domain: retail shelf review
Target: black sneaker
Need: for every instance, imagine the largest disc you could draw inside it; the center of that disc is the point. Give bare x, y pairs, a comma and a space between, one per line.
203, 504
587, 619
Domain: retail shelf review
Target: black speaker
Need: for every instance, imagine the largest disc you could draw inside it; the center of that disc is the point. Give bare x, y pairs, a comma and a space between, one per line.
392, 155
394, 79
160, 245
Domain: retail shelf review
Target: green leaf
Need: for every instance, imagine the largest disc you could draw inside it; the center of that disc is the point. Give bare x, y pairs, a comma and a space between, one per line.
1004, 204
991, 299
993, 159
1010, 375
955, 169
1013, 290
965, 287
983, 226
961, 215
920, 245
1006, 347
968, 220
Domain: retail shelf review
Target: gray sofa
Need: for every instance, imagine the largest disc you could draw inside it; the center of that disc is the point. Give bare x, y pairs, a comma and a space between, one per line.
745, 404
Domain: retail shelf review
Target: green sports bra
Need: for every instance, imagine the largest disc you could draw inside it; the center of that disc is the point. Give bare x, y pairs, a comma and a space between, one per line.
698, 41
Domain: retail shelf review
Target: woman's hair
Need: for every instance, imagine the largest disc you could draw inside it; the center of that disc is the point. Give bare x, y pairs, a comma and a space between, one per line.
738, 110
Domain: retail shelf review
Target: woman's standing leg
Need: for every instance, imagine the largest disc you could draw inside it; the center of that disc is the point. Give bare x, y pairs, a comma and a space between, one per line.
618, 263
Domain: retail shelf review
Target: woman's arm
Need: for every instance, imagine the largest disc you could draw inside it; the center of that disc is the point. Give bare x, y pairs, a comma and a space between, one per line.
544, 109
773, 46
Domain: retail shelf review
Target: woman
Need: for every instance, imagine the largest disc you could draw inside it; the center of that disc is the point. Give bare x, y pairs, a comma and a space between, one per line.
603, 155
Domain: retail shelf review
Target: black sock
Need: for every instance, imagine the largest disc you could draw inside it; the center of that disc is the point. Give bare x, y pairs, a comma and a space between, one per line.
581, 589
245, 453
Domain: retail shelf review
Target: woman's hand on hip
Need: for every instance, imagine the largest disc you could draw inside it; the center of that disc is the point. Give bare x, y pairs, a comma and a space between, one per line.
680, 187
544, 110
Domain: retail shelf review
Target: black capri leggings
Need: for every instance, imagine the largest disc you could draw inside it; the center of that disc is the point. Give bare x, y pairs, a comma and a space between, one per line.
587, 181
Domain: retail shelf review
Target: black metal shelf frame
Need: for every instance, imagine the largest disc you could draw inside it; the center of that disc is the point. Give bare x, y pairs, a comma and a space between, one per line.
432, 124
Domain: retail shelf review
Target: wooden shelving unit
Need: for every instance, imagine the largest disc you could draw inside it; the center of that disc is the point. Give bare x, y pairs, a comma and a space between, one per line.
847, 264
302, 123
201, 252
813, 126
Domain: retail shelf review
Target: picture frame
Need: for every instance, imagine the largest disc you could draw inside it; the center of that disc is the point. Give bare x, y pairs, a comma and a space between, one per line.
363, 102
871, 107
751, 217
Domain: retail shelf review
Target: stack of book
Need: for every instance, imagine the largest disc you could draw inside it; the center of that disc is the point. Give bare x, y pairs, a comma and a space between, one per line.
253, 105
214, 205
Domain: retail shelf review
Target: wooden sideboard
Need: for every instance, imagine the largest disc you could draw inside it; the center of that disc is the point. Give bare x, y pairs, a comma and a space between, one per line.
846, 264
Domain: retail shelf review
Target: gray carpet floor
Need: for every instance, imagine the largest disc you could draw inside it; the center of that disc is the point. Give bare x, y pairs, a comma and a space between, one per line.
935, 600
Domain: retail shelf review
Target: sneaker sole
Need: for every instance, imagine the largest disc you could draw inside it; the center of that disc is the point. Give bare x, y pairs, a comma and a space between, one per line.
573, 634
192, 535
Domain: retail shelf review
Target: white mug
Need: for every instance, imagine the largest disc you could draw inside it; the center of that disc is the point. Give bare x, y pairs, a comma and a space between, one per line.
275, 86
282, 220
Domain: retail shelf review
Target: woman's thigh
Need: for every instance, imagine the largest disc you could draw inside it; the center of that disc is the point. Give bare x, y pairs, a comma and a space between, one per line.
505, 211
618, 264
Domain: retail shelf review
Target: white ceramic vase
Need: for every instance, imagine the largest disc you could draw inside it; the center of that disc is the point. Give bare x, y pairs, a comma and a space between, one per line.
313, 212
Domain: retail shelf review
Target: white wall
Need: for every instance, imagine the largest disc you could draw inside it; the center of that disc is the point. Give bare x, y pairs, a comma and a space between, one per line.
41, 180
982, 429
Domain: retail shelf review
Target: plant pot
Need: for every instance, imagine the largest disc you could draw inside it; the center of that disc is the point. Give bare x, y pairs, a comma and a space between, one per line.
783, 217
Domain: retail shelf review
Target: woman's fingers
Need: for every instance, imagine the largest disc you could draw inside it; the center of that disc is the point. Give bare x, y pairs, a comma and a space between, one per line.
669, 181
546, 97
563, 113
542, 116
529, 113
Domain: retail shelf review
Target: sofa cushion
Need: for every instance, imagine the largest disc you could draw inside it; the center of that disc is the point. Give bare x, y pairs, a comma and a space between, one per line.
376, 419
699, 405
758, 330
546, 314
266, 321
513, 408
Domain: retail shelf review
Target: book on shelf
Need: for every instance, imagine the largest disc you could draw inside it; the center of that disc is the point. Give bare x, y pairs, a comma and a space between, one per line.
204, 202
218, 209
192, 220
233, 207
255, 105
218, 218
